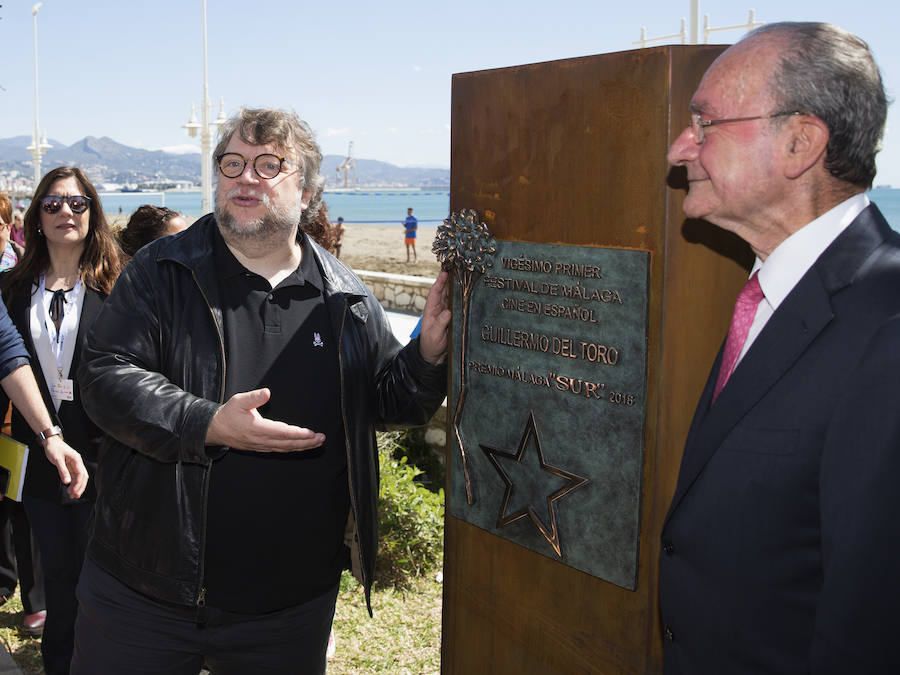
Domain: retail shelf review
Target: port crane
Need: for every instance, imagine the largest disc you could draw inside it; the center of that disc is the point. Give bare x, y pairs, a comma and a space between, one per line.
348, 166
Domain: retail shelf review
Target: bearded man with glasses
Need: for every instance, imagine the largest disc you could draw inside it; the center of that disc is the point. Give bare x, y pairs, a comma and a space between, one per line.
239, 371
781, 548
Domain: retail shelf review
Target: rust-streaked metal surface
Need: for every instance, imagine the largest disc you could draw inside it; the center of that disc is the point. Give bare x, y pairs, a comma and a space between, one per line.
573, 152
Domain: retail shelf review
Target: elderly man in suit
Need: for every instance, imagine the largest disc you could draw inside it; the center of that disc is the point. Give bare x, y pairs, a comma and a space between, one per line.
781, 548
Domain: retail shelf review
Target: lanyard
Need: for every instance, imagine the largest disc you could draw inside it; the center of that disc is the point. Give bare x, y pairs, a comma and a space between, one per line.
68, 327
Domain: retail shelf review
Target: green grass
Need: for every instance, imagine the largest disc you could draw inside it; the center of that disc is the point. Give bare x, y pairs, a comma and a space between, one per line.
404, 638
25, 649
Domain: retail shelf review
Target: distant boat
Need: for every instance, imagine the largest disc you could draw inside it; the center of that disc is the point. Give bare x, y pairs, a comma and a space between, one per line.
128, 189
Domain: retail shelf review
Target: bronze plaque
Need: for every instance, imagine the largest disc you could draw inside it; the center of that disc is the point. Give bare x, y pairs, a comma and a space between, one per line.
548, 403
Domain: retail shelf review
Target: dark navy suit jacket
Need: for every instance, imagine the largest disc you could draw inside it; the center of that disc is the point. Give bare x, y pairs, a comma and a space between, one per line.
781, 548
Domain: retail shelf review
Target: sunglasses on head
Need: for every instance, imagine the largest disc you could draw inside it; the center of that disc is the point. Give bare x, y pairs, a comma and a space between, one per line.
53, 203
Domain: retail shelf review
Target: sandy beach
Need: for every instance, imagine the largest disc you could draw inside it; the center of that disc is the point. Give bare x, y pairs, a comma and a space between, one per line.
377, 248
380, 248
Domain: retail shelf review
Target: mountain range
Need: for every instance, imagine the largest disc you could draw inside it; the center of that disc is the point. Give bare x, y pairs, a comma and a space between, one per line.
107, 161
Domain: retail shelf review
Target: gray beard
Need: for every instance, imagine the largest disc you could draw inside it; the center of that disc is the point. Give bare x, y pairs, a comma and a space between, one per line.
272, 226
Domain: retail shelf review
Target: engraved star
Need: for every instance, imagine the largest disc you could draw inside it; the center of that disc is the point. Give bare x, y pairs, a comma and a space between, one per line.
533, 480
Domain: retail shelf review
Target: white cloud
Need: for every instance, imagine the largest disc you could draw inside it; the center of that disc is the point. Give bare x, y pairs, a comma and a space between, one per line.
343, 131
418, 69
391, 130
183, 149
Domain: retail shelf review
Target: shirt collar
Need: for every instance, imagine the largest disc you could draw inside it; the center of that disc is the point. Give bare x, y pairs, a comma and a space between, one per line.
793, 257
307, 271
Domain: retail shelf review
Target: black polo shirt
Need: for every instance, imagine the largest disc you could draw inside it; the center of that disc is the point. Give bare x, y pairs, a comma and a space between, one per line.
275, 521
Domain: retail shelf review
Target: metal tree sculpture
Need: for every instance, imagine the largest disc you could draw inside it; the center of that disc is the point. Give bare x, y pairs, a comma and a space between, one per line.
465, 246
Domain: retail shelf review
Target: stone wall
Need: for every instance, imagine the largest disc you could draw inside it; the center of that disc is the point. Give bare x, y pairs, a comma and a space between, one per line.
405, 293
399, 292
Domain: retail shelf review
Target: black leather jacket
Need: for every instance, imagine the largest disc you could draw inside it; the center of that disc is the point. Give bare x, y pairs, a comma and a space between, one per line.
152, 376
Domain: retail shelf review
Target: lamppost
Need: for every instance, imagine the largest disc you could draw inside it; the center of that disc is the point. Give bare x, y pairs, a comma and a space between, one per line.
693, 37
207, 129
38, 147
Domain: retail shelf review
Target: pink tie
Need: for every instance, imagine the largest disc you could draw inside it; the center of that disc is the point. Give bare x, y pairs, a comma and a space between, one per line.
744, 312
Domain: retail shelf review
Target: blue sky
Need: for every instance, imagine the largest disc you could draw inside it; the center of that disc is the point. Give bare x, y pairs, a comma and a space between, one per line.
376, 73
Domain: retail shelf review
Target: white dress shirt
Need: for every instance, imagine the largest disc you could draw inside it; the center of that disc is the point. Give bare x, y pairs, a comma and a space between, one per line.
793, 257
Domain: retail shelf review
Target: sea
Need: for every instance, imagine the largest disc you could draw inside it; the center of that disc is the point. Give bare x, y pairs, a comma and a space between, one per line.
381, 206
387, 206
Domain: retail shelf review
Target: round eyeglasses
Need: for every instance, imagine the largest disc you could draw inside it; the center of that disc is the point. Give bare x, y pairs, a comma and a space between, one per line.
53, 203
267, 165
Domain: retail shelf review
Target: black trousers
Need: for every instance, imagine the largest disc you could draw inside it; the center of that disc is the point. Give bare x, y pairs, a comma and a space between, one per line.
20, 559
125, 632
61, 533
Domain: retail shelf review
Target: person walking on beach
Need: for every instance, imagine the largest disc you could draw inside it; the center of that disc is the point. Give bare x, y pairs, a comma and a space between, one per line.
244, 457
339, 230
411, 225
781, 548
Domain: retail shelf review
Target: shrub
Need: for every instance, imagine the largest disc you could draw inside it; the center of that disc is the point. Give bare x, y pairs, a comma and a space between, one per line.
411, 519
428, 460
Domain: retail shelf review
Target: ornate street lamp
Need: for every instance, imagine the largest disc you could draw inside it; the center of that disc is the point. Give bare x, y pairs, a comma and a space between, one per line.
38, 145
206, 128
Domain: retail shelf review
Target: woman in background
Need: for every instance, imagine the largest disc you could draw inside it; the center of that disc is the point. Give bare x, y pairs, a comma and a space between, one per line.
70, 264
17, 233
10, 251
147, 223
320, 228
20, 561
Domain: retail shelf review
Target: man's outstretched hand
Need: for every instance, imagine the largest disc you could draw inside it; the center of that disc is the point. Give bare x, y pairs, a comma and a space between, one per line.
239, 425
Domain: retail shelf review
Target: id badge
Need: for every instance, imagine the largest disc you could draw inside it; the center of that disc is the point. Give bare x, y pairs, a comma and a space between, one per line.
62, 390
